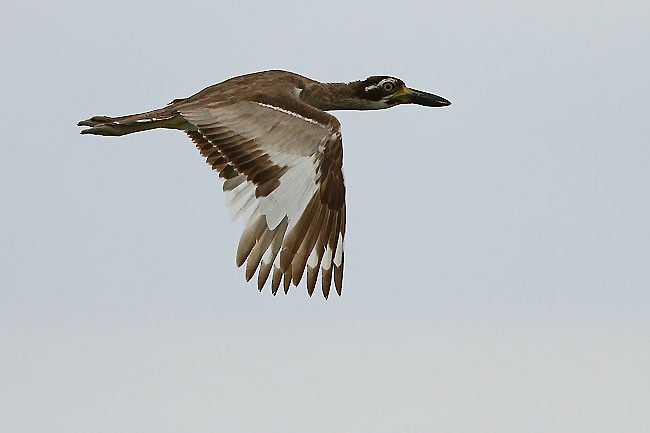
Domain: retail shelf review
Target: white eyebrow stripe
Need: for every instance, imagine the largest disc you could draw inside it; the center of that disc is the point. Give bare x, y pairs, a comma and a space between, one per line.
291, 113
381, 83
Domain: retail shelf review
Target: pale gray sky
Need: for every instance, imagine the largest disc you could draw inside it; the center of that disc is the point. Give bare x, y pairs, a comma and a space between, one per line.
498, 250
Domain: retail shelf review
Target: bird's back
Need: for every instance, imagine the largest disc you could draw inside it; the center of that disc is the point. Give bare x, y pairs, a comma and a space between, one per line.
249, 87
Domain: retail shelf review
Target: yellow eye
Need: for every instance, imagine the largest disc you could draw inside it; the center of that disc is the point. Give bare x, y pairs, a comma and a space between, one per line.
388, 86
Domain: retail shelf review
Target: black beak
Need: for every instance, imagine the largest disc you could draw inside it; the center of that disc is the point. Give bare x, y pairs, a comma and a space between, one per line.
412, 96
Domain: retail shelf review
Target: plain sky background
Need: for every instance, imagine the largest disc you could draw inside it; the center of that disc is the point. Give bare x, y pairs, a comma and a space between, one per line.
498, 250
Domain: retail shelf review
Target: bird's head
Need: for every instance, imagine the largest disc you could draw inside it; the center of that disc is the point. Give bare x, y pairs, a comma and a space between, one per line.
385, 92
373, 93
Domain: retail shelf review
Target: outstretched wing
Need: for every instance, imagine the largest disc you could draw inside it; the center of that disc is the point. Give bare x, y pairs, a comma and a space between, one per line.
283, 176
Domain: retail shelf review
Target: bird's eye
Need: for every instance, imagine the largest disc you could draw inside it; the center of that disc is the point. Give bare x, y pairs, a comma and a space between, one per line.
388, 86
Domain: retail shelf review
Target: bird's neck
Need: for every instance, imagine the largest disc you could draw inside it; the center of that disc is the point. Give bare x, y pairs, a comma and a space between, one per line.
333, 96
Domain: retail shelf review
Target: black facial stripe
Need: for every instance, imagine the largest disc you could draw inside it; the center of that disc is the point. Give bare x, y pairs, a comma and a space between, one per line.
374, 93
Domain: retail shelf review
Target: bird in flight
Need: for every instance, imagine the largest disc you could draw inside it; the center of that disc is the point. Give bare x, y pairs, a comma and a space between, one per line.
279, 152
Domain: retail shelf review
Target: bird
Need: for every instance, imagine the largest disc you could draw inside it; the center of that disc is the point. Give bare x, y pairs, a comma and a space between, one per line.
280, 156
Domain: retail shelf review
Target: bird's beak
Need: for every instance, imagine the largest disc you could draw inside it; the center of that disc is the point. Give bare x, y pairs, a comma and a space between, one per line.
411, 96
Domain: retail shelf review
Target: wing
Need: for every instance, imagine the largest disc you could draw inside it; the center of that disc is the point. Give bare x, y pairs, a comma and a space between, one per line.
283, 176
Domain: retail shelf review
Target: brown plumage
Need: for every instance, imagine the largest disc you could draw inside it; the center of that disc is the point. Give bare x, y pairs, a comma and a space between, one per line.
280, 154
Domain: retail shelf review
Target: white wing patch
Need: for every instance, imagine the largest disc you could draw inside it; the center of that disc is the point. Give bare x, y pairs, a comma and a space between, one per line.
291, 113
240, 199
338, 257
297, 187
